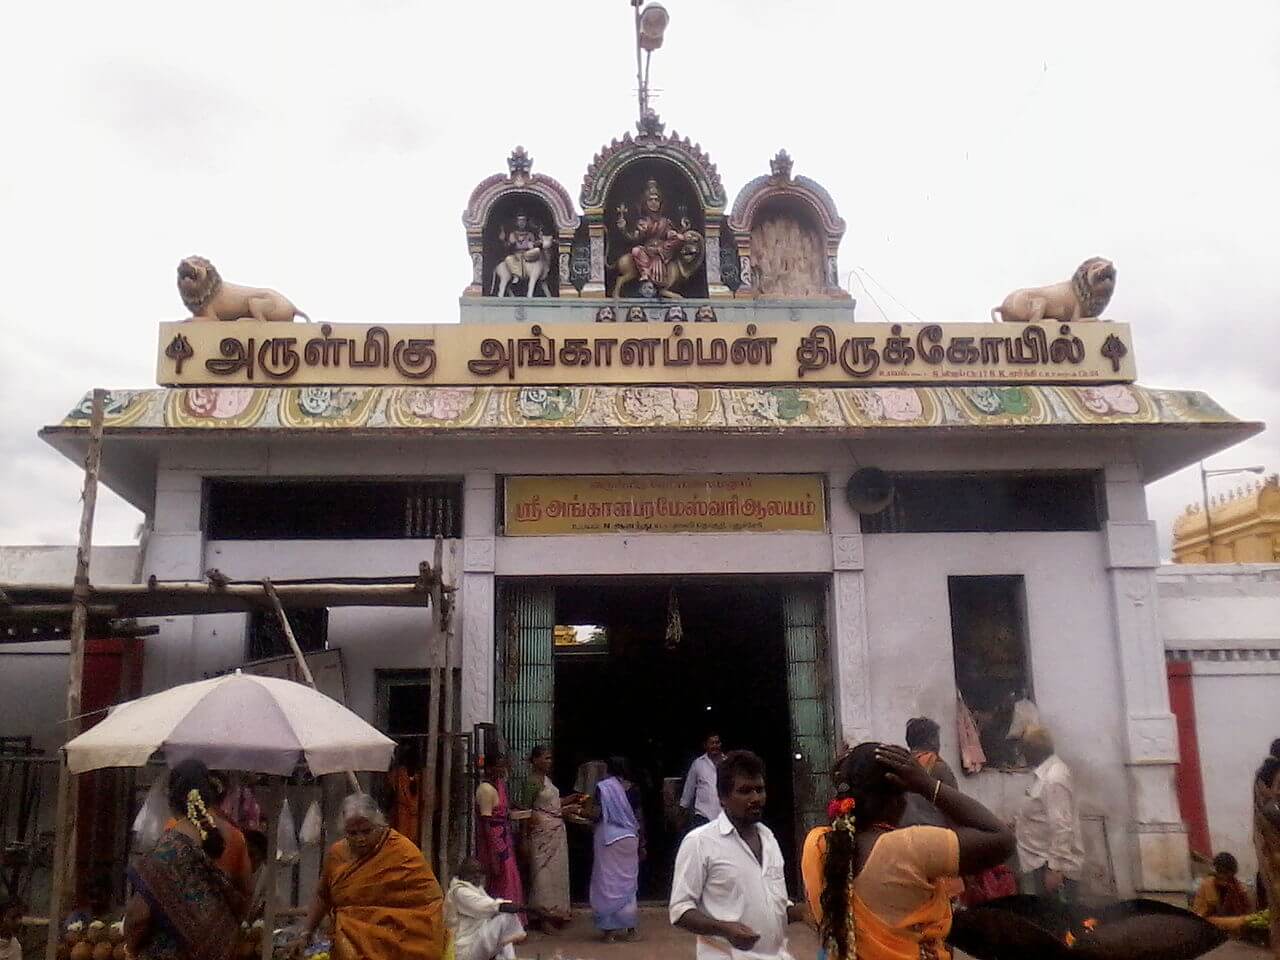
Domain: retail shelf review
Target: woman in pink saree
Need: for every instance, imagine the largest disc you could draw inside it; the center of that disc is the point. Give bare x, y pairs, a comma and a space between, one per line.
495, 838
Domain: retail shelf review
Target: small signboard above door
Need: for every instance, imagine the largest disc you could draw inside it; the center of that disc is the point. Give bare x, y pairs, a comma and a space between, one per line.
685, 503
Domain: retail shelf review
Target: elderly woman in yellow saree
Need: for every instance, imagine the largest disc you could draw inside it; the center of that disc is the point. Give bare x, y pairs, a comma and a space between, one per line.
878, 891
383, 898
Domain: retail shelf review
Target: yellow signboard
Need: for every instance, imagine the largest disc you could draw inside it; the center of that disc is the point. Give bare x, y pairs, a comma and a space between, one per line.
242, 352
636, 503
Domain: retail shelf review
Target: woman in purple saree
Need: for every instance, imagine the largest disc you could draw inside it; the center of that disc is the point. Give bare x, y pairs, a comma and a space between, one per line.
618, 847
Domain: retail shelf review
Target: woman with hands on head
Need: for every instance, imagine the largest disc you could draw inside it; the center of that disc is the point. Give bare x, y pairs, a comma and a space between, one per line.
875, 889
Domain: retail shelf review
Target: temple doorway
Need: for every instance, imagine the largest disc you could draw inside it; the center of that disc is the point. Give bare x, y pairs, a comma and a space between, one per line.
645, 669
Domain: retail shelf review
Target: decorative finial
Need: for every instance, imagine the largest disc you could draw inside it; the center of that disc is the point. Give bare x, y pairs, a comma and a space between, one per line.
519, 163
780, 165
649, 125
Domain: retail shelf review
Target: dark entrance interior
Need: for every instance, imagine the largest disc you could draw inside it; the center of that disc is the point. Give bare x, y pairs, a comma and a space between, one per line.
622, 689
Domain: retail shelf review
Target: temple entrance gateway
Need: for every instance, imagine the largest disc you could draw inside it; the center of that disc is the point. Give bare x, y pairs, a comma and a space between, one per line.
645, 668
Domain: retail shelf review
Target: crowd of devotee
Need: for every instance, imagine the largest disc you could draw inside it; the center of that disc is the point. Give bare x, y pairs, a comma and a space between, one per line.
907, 865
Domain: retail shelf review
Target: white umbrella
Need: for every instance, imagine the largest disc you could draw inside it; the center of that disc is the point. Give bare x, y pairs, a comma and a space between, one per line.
235, 722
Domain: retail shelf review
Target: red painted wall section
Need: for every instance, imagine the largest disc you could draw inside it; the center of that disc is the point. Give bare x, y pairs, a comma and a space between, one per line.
1190, 784
112, 674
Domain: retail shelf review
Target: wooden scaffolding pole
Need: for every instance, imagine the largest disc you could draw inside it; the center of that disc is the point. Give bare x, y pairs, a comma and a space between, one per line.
273, 803
449, 744
274, 597
64, 825
430, 775
432, 575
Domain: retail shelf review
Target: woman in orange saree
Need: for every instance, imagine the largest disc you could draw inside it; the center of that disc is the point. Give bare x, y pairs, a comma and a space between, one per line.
383, 897
879, 892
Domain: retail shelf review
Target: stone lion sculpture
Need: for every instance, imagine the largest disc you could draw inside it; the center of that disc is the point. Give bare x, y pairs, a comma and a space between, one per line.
1083, 297
208, 298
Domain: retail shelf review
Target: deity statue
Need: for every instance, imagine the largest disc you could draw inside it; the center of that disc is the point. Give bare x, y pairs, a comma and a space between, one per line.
528, 257
664, 256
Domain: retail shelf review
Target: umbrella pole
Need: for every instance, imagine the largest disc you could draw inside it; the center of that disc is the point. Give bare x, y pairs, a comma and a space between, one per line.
274, 597
275, 802
65, 824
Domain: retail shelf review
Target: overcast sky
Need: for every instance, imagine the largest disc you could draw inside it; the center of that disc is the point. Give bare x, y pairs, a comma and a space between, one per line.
328, 150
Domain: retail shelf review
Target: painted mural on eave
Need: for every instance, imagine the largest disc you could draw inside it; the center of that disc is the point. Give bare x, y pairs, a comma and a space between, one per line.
641, 408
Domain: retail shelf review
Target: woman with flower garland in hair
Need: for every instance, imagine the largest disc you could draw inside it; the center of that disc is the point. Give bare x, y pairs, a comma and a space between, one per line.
877, 890
182, 906
234, 859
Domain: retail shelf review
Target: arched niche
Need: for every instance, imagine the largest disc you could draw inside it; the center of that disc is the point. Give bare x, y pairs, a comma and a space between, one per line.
787, 232
788, 259
681, 207
494, 204
618, 174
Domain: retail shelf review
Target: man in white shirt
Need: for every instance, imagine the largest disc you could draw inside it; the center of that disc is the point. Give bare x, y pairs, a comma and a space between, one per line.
700, 803
728, 886
1050, 851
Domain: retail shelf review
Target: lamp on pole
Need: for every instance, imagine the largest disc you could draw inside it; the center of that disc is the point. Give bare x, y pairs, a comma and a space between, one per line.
1204, 495
651, 23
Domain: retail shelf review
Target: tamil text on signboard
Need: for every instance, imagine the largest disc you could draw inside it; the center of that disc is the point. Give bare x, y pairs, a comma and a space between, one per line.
242, 352
695, 503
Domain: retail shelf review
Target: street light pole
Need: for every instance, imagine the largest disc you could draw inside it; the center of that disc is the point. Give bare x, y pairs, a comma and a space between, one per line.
651, 23
1208, 518
640, 84
1204, 495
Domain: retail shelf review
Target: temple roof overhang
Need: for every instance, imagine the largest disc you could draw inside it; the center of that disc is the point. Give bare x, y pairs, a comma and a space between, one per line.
1166, 429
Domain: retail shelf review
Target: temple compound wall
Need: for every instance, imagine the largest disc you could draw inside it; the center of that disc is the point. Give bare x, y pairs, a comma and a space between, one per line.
1221, 629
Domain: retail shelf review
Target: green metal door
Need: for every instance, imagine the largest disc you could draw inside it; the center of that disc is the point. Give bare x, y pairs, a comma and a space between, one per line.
808, 689
525, 676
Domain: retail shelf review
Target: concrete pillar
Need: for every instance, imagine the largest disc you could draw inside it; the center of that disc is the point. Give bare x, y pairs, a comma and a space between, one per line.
475, 250
594, 288
175, 551
746, 279
716, 288
479, 525
847, 619
1158, 846
567, 289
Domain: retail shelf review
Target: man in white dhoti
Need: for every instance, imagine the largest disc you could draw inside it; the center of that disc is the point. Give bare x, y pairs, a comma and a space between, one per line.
482, 927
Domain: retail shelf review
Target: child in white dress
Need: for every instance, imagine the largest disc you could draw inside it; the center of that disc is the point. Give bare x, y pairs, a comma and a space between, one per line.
482, 927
